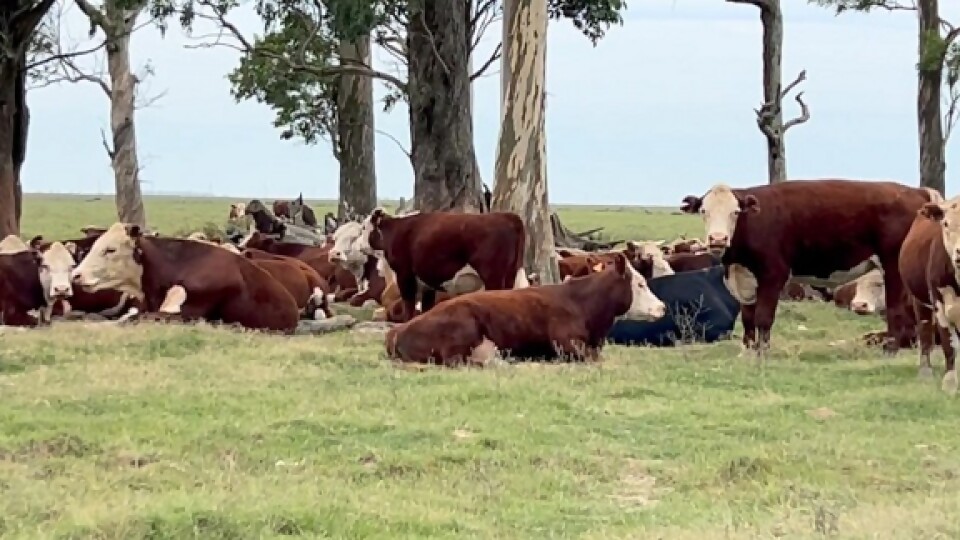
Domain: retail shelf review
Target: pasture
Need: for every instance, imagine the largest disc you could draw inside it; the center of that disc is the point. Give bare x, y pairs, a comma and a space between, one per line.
160, 431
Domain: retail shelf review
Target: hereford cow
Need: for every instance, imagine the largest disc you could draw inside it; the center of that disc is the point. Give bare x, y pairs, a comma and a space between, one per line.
317, 257
929, 264
445, 251
193, 280
311, 290
292, 210
22, 299
686, 261
571, 319
809, 228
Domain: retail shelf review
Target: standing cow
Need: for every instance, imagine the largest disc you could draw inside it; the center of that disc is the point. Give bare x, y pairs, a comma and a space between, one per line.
445, 251
809, 228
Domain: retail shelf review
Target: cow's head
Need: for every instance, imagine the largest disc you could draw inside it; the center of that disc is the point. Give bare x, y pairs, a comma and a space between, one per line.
113, 262
648, 254
237, 211
12, 244
371, 240
869, 295
948, 215
56, 263
721, 208
644, 305
346, 243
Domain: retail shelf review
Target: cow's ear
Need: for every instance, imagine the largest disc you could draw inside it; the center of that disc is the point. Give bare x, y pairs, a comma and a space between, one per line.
37, 257
631, 249
749, 204
691, 204
931, 211
598, 267
134, 231
620, 263
377, 217
35, 241
71, 247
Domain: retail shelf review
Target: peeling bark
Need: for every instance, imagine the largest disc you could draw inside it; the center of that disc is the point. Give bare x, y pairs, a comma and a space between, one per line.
929, 82
521, 165
441, 128
355, 137
123, 90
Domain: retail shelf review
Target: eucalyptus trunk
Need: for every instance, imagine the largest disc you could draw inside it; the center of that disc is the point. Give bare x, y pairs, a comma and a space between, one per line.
9, 177
355, 136
441, 128
772, 19
929, 82
521, 165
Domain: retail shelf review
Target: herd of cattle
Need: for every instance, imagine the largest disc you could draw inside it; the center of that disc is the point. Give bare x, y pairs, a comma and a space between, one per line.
455, 284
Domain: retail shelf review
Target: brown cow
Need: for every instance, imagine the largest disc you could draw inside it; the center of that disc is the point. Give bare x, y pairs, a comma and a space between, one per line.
569, 319
339, 279
22, 298
687, 261
309, 289
929, 263
864, 295
453, 252
237, 211
809, 228
191, 279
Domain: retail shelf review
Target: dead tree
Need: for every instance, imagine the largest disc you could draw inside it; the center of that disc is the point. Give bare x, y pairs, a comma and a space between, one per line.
770, 114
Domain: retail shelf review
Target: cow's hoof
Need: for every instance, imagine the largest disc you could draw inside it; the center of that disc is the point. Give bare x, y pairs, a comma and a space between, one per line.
949, 384
925, 373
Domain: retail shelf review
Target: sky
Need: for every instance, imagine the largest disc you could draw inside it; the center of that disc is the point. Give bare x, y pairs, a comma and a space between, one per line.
661, 108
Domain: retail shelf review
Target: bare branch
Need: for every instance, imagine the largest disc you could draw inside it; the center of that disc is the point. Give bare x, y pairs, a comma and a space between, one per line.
952, 114
95, 15
768, 5
800, 78
65, 56
394, 139
804, 114
497, 53
106, 145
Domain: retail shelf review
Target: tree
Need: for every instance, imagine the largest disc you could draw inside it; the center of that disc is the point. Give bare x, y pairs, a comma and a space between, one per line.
117, 20
770, 114
521, 163
938, 51
19, 20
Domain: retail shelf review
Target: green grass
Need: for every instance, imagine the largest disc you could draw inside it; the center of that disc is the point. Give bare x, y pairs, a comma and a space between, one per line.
160, 431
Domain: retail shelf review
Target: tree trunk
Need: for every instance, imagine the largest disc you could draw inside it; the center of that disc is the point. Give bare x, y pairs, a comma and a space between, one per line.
772, 19
441, 129
9, 224
123, 91
21, 124
355, 137
929, 81
521, 165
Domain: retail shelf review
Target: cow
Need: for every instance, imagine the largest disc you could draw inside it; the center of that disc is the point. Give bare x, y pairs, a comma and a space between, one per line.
868, 297
686, 261
291, 210
310, 298
699, 309
317, 257
809, 228
929, 264
237, 211
453, 252
570, 319
319, 287
263, 221
22, 298
794, 290
192, 280
649, 250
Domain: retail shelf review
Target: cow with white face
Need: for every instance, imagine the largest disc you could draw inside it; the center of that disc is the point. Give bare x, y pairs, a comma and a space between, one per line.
721, 209
111, 264
56, 263
346, 250
870, 296
651, 252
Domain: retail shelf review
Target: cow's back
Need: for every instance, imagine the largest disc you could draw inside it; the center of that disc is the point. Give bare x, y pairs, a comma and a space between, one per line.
820, 226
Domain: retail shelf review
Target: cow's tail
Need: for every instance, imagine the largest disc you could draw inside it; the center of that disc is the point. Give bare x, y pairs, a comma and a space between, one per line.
933, 195
518, 267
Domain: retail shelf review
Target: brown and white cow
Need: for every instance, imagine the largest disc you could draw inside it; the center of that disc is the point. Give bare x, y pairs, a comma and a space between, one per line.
930, 266
650, 251
317, 257
864, 295
446, 251
809, 228
308, 288
571, 319
176, 276
237, 211
22, 299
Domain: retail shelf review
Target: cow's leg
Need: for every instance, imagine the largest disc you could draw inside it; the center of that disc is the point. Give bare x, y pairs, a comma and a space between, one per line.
747, 316
949, 341
428, 299
898, 323
768, 296
408, 286
925, 332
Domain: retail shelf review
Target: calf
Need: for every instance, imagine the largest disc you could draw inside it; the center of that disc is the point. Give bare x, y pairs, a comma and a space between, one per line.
929, 263
312, 301
452, 252
317, 257
191, 279
808, 228
569, 319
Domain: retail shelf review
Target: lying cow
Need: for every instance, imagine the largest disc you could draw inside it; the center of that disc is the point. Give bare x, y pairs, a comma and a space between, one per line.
929, 263
808, 228
32, 282
864, 295
699, 309
308, 288
571, 319
192, 280
445, 251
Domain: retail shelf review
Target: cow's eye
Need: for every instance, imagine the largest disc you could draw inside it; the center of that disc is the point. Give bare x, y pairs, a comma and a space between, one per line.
108, 251
946, 225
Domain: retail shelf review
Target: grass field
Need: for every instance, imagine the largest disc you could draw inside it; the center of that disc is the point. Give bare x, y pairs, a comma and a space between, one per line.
171, 432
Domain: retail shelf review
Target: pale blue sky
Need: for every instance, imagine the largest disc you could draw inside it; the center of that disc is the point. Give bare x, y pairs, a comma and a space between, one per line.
661, 108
